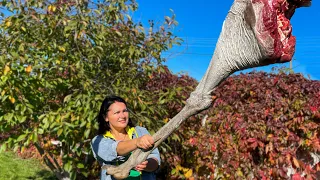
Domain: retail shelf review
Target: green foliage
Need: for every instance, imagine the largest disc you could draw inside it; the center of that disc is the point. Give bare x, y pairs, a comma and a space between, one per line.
260, 125
59, 59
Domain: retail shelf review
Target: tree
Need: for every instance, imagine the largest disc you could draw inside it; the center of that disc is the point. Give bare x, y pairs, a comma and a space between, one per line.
59, 59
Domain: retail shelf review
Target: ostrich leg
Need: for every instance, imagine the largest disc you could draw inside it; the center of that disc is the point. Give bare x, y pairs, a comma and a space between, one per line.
254, 33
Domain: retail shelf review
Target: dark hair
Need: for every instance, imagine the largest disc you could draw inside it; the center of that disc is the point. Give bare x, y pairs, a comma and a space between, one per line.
107, 102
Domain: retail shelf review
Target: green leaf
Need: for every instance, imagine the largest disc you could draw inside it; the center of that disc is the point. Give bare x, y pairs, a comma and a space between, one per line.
100, 48
3, 147
8, 117
40, 131
16, 147
97, 11
22, 119
83, 123
80, 165
118, 33
86, 133
67, 166
59, 132
35, 137
173, 171
21, 137
30, 106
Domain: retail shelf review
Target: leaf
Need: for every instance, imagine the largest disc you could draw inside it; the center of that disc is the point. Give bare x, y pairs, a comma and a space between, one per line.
62, 49
251, 140
100, 48
22, 119
188, 174
22, 149
3, 147
131, 50
97, 11
52, 8
295, 162
12, 99
21, 137
8, 117
16, 147
30, 106
6, 70
239, 172
80, 165
67, 166
83, 123
28, 69
59, 132
8, 23
67, 98
3, 93
119, 33
86, 133
40, 131
297, 176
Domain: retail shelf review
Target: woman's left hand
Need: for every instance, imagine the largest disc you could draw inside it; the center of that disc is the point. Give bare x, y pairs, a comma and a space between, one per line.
140, 167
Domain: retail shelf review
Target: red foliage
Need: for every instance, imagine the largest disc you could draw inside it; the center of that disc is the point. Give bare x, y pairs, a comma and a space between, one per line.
163, 80
174, 90
180, 87
257, 126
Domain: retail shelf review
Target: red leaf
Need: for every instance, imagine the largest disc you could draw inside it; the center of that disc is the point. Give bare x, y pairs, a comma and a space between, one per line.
275, 80
313, 108
193, 141
213, 148
251, 140
296, 177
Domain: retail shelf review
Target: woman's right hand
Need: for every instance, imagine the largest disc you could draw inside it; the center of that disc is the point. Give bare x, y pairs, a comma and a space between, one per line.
145, 142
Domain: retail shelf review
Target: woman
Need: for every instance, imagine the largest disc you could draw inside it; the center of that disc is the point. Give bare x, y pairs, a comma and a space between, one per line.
118, 137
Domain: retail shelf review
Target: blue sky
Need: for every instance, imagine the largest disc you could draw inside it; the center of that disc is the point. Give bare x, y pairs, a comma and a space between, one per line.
200, 23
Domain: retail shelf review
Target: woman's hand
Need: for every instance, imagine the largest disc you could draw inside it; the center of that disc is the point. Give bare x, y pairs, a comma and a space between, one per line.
142, 166
145, 142
149, 165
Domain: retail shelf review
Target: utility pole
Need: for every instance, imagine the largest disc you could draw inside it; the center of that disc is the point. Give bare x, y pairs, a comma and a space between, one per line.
290, 67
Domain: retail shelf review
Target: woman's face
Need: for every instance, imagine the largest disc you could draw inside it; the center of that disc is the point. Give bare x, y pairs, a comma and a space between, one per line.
117, 116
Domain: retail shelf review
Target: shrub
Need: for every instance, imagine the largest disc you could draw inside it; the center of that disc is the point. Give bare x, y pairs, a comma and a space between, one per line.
261, 126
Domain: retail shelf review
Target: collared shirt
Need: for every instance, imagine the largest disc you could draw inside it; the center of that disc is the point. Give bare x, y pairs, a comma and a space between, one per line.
104, 150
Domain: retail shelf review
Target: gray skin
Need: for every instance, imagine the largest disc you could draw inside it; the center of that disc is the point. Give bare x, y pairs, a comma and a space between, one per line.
244, 42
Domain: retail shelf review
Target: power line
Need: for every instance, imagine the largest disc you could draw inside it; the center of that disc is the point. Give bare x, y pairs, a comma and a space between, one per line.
308, 49
306, 44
